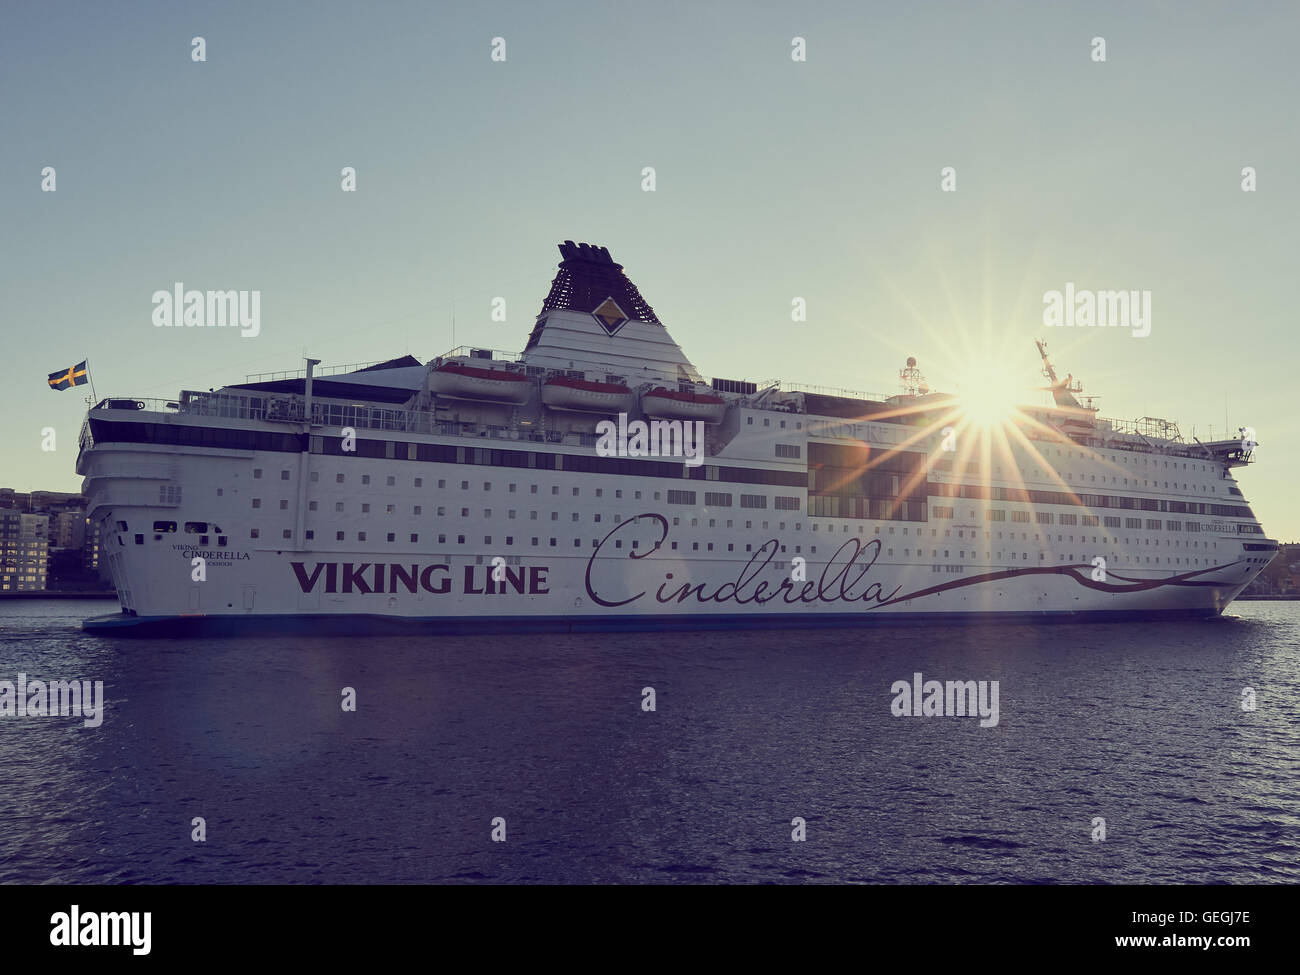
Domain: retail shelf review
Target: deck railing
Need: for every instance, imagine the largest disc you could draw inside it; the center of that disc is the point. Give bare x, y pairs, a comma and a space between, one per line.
330, 414
270, 408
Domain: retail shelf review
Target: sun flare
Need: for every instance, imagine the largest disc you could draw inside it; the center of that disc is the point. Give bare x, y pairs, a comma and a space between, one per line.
988, 396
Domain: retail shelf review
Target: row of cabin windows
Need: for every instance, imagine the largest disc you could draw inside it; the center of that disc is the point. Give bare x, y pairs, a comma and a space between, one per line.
509, 540
167, 527
695, 546
713, 523
711, 499
391, 481
945, 512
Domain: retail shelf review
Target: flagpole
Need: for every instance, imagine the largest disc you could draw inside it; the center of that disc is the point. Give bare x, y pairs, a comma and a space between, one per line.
94, 394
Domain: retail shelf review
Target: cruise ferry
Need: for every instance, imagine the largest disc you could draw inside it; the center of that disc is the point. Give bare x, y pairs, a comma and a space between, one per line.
480, 492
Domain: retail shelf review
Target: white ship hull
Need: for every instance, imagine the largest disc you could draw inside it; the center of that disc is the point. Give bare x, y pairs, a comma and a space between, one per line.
640, 571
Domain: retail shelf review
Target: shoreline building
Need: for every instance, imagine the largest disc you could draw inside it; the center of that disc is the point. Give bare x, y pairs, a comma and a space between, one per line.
24, 551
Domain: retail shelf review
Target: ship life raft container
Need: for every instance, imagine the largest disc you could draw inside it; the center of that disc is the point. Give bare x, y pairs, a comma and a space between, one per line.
683, 405
583, 396
458, 381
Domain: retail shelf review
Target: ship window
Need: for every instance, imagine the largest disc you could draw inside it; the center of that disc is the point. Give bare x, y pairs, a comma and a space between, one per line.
442, 539
392, 537
257, 473
389, 509
361, 536
288, 533
164, 526
257, 502
222, 540
417, 510
464, 485
315, 476
365, 478
460, 539
553, 544
365, 508
338, 536
310, 534
390, 481
534, 541
191, 527
121, 526
555, 489
284, 475
203, 539
510, 539
311, 505
284, 505
442, 483
338, 478
338, 505
419, 482
139, 539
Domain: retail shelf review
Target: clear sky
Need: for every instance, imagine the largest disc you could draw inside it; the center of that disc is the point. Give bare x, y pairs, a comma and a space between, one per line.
775, 179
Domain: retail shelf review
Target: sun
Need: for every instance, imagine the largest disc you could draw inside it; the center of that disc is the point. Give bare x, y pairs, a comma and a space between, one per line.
988, 395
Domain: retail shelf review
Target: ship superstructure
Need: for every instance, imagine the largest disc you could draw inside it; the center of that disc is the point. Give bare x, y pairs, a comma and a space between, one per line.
472, 492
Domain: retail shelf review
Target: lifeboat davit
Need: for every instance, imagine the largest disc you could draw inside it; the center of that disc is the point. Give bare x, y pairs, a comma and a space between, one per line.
679, 405
563, 393
488, 385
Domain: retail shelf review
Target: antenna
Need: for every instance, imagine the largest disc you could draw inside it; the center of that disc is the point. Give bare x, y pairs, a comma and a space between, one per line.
912, 380
1062, 390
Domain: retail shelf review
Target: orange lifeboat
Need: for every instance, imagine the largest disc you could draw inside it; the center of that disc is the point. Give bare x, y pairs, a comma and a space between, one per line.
580, 395
680, 405
458, 381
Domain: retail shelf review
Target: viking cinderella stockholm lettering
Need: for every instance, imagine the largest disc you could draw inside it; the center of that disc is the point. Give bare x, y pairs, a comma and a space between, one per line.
833, 585
370, 577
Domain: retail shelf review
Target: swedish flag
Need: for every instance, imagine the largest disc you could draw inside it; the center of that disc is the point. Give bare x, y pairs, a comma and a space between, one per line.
72, 376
